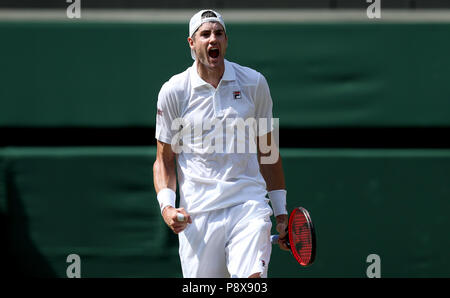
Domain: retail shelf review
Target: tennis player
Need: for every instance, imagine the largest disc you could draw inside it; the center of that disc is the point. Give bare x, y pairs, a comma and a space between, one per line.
225, 227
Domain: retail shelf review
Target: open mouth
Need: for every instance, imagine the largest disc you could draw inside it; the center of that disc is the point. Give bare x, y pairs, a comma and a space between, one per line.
213, 52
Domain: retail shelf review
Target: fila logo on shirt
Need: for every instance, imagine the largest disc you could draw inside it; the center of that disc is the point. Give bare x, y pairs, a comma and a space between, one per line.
236, 94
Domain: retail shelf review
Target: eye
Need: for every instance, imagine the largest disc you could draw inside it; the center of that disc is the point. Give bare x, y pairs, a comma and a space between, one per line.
204, 34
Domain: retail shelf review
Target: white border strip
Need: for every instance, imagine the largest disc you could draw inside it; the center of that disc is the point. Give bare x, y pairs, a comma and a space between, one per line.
230, 15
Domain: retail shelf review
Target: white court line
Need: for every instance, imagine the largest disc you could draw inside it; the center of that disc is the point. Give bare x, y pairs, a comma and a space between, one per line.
230, 15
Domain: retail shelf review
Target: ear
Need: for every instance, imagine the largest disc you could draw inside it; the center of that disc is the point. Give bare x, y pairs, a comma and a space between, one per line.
190, 42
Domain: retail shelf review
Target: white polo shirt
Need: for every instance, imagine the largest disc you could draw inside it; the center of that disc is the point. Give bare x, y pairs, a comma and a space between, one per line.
212, 175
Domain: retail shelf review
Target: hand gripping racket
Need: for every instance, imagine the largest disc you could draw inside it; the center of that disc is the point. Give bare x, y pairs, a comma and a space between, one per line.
302, 238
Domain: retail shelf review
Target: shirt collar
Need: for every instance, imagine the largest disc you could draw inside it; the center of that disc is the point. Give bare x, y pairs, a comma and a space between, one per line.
197, 81
229, 74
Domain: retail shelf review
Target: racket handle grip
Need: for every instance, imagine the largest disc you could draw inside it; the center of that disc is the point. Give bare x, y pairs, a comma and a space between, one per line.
180, 217
274, 239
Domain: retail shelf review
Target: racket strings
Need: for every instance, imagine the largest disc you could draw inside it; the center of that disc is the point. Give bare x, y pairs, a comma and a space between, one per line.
302, 238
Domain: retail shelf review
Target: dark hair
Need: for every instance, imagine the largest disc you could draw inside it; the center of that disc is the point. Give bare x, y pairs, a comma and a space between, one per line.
208, 14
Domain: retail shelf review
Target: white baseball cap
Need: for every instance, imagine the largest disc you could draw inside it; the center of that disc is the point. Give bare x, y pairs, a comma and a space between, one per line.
197, 20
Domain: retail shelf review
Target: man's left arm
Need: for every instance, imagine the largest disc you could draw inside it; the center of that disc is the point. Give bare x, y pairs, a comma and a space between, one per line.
271, 168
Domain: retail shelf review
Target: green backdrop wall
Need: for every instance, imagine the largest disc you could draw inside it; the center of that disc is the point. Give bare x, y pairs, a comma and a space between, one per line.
109, 75
99, 203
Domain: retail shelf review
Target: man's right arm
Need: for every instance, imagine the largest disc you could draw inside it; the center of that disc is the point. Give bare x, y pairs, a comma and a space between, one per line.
164, 175
164, 179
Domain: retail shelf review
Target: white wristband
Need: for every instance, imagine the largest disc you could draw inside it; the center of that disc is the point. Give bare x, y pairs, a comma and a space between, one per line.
278, 201
166, 197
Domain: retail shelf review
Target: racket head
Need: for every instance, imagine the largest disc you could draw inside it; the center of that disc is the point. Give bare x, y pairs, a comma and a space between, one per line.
302, 238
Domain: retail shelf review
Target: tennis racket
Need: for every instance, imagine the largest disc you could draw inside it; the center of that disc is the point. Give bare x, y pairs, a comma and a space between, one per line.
302, 238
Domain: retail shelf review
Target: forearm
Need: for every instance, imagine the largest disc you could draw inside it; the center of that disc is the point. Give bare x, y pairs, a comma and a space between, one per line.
273, 174
164, 175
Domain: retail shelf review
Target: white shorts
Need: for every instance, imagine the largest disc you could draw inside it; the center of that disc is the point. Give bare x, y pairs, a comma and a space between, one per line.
230, 242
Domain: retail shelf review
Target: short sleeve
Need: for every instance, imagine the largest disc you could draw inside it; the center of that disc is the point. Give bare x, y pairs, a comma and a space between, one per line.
166, 112
263, 106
